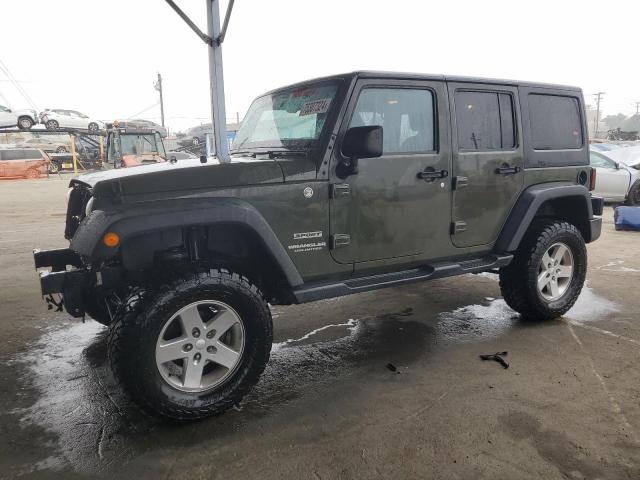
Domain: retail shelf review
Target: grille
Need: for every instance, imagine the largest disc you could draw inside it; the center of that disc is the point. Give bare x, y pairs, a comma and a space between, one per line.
78, 198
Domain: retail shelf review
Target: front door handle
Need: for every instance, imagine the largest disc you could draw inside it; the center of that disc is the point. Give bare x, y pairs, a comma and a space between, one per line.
506, 169
430, 174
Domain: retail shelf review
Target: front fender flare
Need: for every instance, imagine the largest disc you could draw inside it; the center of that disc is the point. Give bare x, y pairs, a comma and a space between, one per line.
130, 221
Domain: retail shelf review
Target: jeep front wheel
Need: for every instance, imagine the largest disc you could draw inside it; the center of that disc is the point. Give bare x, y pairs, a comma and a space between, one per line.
194, 347
547, 273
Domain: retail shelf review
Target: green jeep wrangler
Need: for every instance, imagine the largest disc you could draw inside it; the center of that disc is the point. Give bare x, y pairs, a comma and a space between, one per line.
335, 186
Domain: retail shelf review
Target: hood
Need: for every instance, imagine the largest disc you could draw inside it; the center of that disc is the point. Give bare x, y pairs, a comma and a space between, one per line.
191, 175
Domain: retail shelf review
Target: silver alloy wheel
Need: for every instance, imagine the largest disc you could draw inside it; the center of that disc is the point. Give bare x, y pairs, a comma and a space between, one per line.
555, 272
200, 346
25, 123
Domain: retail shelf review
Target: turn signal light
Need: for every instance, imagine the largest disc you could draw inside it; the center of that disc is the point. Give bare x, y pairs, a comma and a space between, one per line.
111, 239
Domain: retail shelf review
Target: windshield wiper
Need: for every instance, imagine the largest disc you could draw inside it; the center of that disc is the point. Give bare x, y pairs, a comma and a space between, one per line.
286, 153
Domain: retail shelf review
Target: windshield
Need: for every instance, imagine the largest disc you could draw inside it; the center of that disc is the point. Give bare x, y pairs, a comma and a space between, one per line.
141, 144
288, 118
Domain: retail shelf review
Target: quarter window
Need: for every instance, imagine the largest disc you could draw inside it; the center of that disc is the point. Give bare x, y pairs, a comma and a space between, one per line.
555, 122
405, 115
485, 121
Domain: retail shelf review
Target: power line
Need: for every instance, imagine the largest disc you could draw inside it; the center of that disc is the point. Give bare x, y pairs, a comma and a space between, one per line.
17, 85
142, 111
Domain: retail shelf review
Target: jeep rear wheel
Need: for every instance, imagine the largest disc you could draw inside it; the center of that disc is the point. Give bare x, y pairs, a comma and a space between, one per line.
547, 273
193, 347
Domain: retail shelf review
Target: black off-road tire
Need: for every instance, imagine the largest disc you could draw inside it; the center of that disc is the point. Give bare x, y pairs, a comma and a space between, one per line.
633, 197
519, 280
134, 333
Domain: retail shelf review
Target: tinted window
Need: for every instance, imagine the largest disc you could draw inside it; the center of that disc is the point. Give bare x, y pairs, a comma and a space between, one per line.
406, 116
485, 121
555, 122
20, 154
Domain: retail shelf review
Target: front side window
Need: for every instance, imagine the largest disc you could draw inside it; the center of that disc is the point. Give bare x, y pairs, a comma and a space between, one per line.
4, 109
288, 118
485, 121
600, 161
405, 115
555, 122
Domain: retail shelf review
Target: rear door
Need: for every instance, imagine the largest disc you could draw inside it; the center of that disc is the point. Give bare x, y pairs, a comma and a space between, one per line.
7, 117
487, 162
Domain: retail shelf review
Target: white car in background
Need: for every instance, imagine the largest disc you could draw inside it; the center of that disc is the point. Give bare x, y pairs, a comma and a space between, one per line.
54, 119
23, 119
615, 182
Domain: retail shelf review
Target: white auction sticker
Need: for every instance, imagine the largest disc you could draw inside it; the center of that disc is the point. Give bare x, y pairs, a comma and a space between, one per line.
315, 106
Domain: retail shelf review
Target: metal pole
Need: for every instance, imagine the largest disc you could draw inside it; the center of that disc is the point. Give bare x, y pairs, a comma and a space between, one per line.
216, 82
598, 96
161, 100
74, 155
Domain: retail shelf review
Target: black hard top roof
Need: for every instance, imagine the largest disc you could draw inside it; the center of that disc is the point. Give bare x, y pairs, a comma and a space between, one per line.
426, 76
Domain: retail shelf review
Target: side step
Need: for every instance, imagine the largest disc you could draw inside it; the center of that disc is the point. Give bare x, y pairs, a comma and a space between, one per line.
313, 292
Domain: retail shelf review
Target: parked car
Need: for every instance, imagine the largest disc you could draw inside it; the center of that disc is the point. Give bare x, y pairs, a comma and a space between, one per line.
615, 182
180, 155
46, 144
335, 186
23, 119
55, 118
195, 135
23, 163
141, 123
629, 155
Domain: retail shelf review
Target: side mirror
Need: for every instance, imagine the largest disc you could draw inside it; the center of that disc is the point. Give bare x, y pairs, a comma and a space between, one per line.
617, 165
359, 142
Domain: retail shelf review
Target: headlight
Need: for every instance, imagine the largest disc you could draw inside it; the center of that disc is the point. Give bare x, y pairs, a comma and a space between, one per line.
89, 207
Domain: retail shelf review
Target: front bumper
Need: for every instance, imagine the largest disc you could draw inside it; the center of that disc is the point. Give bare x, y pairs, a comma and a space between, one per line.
65, 274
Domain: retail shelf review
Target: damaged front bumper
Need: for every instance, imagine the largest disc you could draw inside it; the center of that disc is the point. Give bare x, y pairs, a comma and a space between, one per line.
67, 275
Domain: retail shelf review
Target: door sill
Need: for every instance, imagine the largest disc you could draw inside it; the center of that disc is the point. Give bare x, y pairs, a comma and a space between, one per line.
312, 292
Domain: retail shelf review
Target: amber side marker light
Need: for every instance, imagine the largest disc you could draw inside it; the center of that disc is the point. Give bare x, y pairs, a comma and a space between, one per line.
111, 239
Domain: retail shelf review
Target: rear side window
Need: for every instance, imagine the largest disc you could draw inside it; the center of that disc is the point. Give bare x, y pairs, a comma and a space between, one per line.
20, 154
555, 122
485, 121
405, 114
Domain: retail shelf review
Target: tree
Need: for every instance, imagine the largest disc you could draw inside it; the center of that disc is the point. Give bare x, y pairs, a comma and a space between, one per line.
614, 121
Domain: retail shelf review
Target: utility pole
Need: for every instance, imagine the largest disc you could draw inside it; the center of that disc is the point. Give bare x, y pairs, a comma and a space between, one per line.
158, 87
214, 38
637, 108
598, 96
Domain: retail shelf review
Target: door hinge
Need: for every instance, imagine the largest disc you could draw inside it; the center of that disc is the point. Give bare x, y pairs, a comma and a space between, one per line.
460, 182
338, 190
339, 240
458, 227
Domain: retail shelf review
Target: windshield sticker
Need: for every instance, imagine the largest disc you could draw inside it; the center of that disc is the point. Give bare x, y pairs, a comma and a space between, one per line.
315, 107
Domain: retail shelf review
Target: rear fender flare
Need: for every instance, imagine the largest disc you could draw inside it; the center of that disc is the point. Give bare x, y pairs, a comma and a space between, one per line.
530, 203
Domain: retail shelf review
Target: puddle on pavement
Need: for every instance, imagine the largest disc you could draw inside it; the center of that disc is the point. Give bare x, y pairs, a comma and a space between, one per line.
78, 400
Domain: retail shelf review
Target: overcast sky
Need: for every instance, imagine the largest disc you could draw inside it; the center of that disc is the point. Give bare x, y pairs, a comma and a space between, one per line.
102, 57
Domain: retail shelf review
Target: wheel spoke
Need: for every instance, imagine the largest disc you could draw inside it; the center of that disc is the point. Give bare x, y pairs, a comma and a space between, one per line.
559, 253
564, 271
171, 350
546, 259
190, 319
193, 373
222, 322
543, 279
225, 356
553, 286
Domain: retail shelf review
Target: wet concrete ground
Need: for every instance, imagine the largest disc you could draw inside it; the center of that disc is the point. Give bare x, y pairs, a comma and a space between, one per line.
327, 405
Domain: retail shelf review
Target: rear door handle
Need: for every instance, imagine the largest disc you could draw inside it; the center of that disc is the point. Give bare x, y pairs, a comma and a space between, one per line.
506, 169
429, 174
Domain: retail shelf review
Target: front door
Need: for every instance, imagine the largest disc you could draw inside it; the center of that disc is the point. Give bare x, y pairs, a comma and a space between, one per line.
612, 182
388, 209
487, 160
